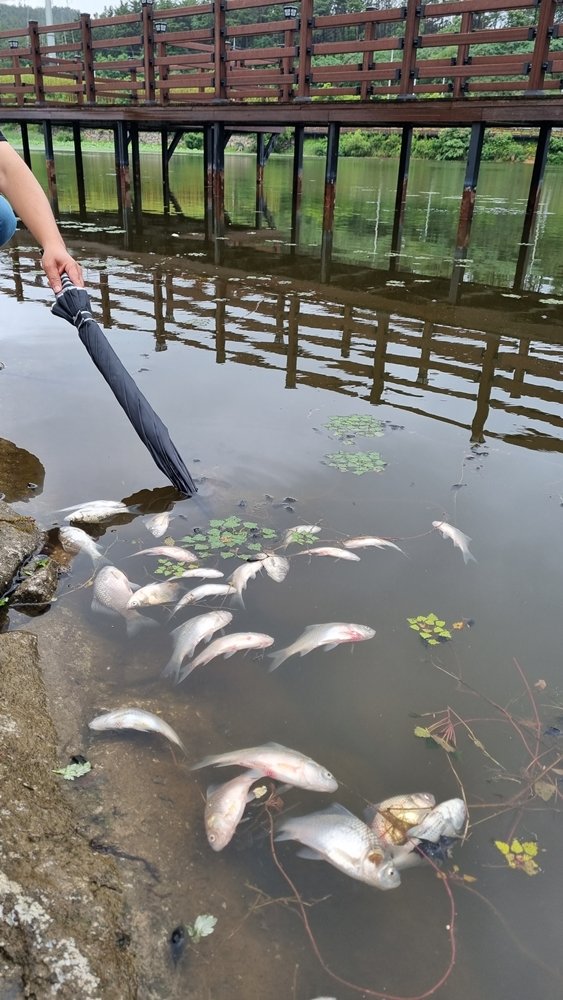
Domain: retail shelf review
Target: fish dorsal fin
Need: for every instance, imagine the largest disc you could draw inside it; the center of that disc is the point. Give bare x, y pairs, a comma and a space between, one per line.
370, 812
275, 746
336, 809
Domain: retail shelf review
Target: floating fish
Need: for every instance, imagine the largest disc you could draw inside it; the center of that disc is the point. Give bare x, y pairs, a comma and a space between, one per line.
337, 836
240, 577
77, 540
224, 807
173, 552
201, 593
278, 762
190, 634
203, 573
460, 540
155, 593
391, 818
158, 524
95, 504
329, 635
97, 510
330, 550
299, 529
111, 594
447, 819
227, 646
277, 567
367, 541
136, 718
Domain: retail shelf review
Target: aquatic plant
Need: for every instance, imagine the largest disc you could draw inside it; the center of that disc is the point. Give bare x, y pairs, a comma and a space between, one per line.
302, 538
226, 538
358, 462
431, 629
351, 427
72, 771
203, 926
520, 854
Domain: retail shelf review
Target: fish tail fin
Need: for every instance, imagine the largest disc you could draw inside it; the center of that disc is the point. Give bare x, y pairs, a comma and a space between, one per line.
237, 601
172, 668
468, 557
211, 759
184, 672
136, 623
277, 659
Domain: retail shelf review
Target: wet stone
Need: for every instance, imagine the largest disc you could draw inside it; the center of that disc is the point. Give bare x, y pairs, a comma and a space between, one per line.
19, 539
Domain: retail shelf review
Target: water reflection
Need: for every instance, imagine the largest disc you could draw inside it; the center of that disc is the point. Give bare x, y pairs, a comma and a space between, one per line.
21, 473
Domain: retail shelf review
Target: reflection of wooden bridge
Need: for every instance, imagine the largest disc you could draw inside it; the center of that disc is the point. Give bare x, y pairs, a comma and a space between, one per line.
375, 347
218, 67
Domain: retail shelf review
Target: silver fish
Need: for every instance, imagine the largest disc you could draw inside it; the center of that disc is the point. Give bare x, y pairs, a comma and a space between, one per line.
460, 540
277, 567
391, 818
366, 541
116, 504
173, 552
299, 529
224, 807
155, 593
158, 524
111, 594
96, 511
77, 540
330, 550
203, 573
278, 762
190, 634
447, 819
227, 646
240, 577
328, 635
136, 718
200, 593
337, 836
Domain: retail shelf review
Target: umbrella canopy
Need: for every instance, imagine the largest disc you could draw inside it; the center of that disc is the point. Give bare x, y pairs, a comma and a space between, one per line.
73, 304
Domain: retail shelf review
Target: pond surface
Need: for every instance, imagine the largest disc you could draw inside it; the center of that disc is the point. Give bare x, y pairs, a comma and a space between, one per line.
247, 369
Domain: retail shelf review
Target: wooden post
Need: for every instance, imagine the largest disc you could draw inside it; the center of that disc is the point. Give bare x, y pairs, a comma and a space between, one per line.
488, 363
280, 318
147, 17
220, 297
408, 65
298, 142
540, 55
87, 55
306, 23
220, 52
163, 72
50, 164
381, 342
25, 143
165, 173
122, 173
331, 167
18, 283
160, 331
292, 343
17, 78
467, 208
401, 196
35, 46
169, 284
287, 67
218, 179
367, 61
534, 194
346, 332
104, 294
462, 53
208, 181
80, 185
260, 163
136, 163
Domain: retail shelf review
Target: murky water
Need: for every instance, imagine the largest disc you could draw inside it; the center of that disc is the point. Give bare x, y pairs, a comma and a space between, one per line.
247, 369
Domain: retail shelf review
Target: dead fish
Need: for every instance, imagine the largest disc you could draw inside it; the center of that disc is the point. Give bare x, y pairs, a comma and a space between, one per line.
277, 567
136, 718
201, 593
328, 635
158, 524
203, 573
460, 540
190, 634
365, 541
329, 550
299, 529
111, 594
447, 819
173, 552
116, 504
337, 836
77, 540
391, 818
227, 646
99, 510
155, 593
278, 762
224, 808
240, 577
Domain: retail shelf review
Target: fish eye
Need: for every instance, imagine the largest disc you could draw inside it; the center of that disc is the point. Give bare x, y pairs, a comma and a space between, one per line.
211, 838
327, 774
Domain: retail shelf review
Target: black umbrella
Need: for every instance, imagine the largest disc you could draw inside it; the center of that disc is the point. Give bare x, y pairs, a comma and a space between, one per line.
73, 304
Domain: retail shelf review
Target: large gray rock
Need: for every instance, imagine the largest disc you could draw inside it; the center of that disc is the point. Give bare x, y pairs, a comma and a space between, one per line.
62, 929
19, 539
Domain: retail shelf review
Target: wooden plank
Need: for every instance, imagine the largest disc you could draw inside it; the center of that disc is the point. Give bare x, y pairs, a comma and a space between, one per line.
305, 49
487, 36
117, 43
266, 54
261, 28
541, 48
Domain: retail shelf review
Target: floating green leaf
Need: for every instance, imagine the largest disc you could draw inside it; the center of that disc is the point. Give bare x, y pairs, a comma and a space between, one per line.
356, 462
226, 538
72, 771
430, 628
520, 854
203, 926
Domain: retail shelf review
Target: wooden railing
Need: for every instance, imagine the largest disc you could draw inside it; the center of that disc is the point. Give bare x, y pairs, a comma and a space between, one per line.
204, 53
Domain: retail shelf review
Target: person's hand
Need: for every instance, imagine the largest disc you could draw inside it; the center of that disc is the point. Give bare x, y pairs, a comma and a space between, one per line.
56, 261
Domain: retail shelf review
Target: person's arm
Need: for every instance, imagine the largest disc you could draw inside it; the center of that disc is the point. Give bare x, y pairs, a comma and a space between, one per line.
28, 200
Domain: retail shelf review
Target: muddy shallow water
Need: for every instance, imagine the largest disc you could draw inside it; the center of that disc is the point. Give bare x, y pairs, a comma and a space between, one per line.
247, 371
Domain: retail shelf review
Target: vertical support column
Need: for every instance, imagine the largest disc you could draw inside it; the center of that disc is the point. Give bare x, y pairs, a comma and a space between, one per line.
488, 363
425, 353
169, 283
25, 143
220, 52
17, 79
534, 194
87, 55
220, 338
280, 318
401, 196
122, 174
306, 22
50, 164
408, 65
346, 332
260, 164
147, 16
218, 171
136, 163
540, 54
287, 68
467, 208
165, 171
367, 61
35, 47
104, 295
292, 343
81, 187
462, 53
381, 342
208, 181
18, 283
159, 332
331, 168
298, 143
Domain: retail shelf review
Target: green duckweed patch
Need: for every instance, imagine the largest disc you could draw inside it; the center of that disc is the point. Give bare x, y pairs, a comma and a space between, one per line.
357, 462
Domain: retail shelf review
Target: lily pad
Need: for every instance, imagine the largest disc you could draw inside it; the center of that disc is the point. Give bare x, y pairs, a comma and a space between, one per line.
72, 771
347, 428
356, 462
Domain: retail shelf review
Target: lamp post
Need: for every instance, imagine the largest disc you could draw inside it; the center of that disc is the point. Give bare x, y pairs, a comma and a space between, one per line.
290, 12
14, 45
